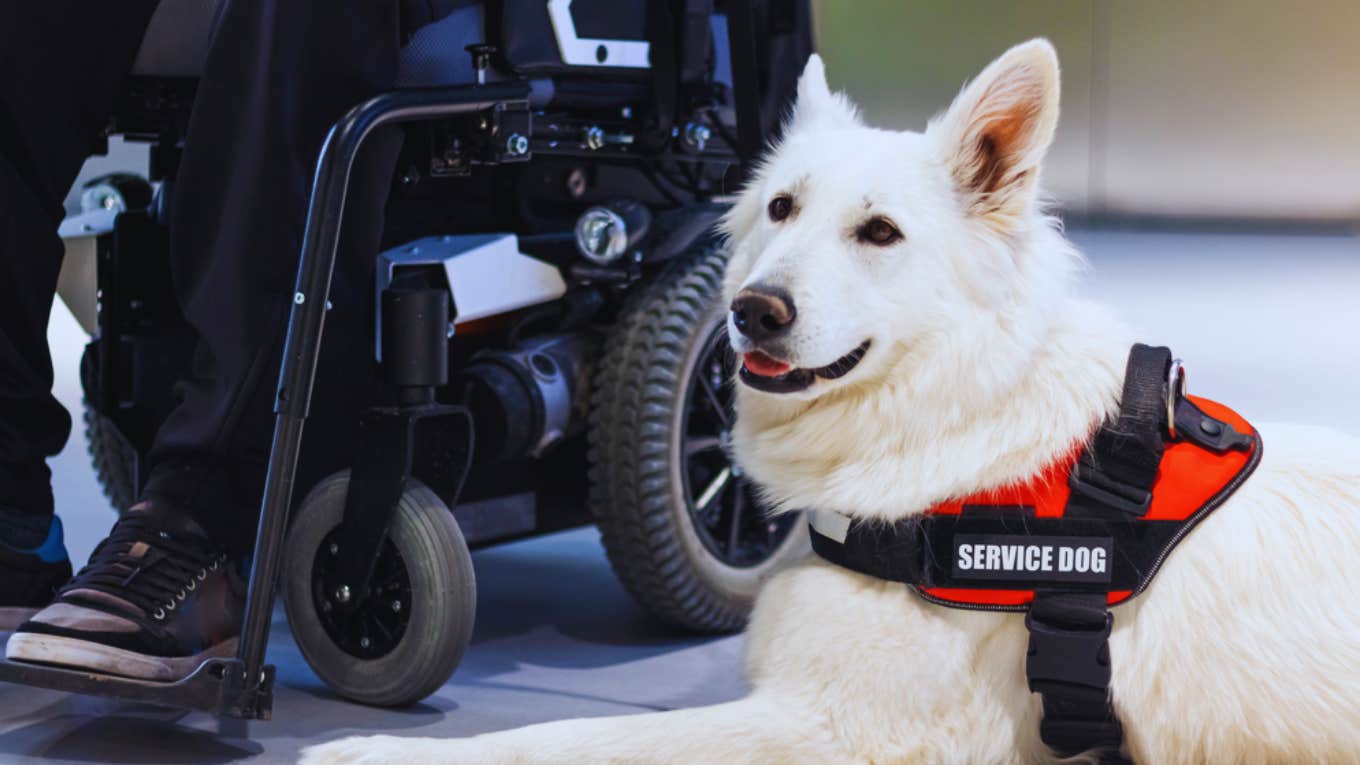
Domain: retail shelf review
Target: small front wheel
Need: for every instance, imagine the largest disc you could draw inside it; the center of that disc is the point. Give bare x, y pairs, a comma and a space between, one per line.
406, 639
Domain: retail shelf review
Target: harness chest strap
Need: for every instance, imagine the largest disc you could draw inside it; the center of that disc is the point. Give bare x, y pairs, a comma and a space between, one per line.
1089, 532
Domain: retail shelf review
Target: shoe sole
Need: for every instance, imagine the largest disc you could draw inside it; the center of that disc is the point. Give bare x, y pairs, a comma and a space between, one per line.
96, 657
11, 617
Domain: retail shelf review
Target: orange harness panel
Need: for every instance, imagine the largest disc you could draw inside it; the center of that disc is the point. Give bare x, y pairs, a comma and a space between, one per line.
1190, 479
1102, 519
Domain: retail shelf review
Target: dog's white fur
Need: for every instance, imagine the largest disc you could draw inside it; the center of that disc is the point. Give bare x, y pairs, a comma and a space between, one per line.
982, 370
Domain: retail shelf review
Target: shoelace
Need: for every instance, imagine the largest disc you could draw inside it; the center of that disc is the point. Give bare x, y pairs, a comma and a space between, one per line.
159, 579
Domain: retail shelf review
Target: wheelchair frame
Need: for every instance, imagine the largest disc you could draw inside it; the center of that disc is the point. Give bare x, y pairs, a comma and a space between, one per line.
242, 686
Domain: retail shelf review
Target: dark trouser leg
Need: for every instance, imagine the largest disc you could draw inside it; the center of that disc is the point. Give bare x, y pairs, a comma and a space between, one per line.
61, 66
279, 74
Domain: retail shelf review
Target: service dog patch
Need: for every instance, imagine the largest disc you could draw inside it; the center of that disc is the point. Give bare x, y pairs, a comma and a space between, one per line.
1032, 558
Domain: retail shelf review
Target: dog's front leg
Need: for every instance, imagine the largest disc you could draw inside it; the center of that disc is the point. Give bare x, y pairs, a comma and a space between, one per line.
752, 731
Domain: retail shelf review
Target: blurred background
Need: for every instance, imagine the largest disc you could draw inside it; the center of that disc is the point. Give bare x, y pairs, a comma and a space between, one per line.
1221, 109
1207, 162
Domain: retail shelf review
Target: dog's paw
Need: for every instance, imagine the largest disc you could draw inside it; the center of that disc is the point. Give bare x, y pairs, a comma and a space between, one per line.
365, 750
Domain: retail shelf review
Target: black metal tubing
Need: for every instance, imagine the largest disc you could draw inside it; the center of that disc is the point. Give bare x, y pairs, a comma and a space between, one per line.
376, 482
216, 686
307, 321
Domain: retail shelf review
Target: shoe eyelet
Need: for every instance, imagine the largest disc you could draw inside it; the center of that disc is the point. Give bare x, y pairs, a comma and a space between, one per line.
202, 574
159, 615
192, 585
170, 606
180, 596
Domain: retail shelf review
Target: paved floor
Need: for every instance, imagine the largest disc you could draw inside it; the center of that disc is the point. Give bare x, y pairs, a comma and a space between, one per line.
1266, 323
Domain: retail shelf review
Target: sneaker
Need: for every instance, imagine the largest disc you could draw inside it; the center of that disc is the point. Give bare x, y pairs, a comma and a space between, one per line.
30, 578
156, 599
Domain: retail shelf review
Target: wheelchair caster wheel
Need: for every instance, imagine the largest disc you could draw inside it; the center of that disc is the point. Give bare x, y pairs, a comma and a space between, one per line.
407, 637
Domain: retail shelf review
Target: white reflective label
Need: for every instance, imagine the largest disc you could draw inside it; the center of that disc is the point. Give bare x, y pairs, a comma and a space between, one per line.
586, 51
830, 524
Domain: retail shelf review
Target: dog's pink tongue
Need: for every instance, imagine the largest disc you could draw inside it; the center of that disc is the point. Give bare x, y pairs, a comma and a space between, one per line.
760, 364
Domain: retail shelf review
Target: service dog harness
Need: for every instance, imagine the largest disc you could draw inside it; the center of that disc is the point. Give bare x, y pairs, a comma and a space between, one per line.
1088, 533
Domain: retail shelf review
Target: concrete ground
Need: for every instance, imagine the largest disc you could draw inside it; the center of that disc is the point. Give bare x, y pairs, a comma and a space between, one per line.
1266, 323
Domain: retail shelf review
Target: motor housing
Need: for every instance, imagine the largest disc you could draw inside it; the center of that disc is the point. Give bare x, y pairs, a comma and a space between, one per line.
527, 398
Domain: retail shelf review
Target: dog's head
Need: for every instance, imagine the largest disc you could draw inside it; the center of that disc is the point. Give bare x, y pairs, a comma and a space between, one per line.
855, 249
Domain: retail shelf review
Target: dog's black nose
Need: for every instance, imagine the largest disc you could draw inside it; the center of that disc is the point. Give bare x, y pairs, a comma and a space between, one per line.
763, 313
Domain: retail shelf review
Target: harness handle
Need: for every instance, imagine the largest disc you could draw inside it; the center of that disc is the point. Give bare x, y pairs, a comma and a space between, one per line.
1115, 474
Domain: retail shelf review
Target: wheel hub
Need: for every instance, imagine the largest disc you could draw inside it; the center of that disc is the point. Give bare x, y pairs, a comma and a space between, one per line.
729, 520
374, 626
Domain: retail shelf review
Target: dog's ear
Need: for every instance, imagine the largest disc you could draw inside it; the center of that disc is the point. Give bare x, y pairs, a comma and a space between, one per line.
998, 129
816, 105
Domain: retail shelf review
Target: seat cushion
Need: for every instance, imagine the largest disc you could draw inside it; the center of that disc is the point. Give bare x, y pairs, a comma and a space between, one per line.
177, 40
435, 55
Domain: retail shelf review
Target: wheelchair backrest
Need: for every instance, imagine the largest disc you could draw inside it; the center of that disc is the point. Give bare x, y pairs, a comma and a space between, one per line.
667, 62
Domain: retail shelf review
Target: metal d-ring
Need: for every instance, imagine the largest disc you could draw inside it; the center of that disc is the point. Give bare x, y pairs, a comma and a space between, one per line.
1175, 391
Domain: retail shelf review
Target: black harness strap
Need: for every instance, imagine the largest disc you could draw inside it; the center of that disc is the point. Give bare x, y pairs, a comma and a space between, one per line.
1068, 665
893, 552
1193, 425
1115, 474
925, 550
1069, 622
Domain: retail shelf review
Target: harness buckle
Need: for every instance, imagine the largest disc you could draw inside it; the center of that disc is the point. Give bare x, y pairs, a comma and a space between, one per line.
1069, 660
1069, 666
1096, 485
1069, 738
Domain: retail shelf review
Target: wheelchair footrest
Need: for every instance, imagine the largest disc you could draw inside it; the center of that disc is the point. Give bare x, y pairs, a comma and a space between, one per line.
218, 686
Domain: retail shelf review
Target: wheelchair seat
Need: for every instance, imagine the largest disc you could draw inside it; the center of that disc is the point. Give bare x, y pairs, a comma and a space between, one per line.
535, 37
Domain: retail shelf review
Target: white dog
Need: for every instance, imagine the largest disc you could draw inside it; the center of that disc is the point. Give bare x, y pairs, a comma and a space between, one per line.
927, 258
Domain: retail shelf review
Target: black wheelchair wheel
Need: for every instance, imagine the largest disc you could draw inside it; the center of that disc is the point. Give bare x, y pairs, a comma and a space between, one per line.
408, 637
683, 527
111, 455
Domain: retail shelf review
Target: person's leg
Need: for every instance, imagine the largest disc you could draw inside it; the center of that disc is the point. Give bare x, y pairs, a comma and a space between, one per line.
61, 66
261, 114
165, 590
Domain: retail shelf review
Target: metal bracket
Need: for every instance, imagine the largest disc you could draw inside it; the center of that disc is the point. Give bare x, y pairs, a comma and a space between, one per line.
499, 135
487, 275
381, 469
218, 686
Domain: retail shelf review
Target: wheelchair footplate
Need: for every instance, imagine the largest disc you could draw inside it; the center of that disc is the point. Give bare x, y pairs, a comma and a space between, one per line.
218, 686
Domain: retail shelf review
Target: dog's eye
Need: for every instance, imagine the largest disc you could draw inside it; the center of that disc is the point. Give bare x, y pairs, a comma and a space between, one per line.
878, 231
780, 207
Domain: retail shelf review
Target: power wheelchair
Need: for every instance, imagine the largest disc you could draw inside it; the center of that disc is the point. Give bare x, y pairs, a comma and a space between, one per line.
565, 365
